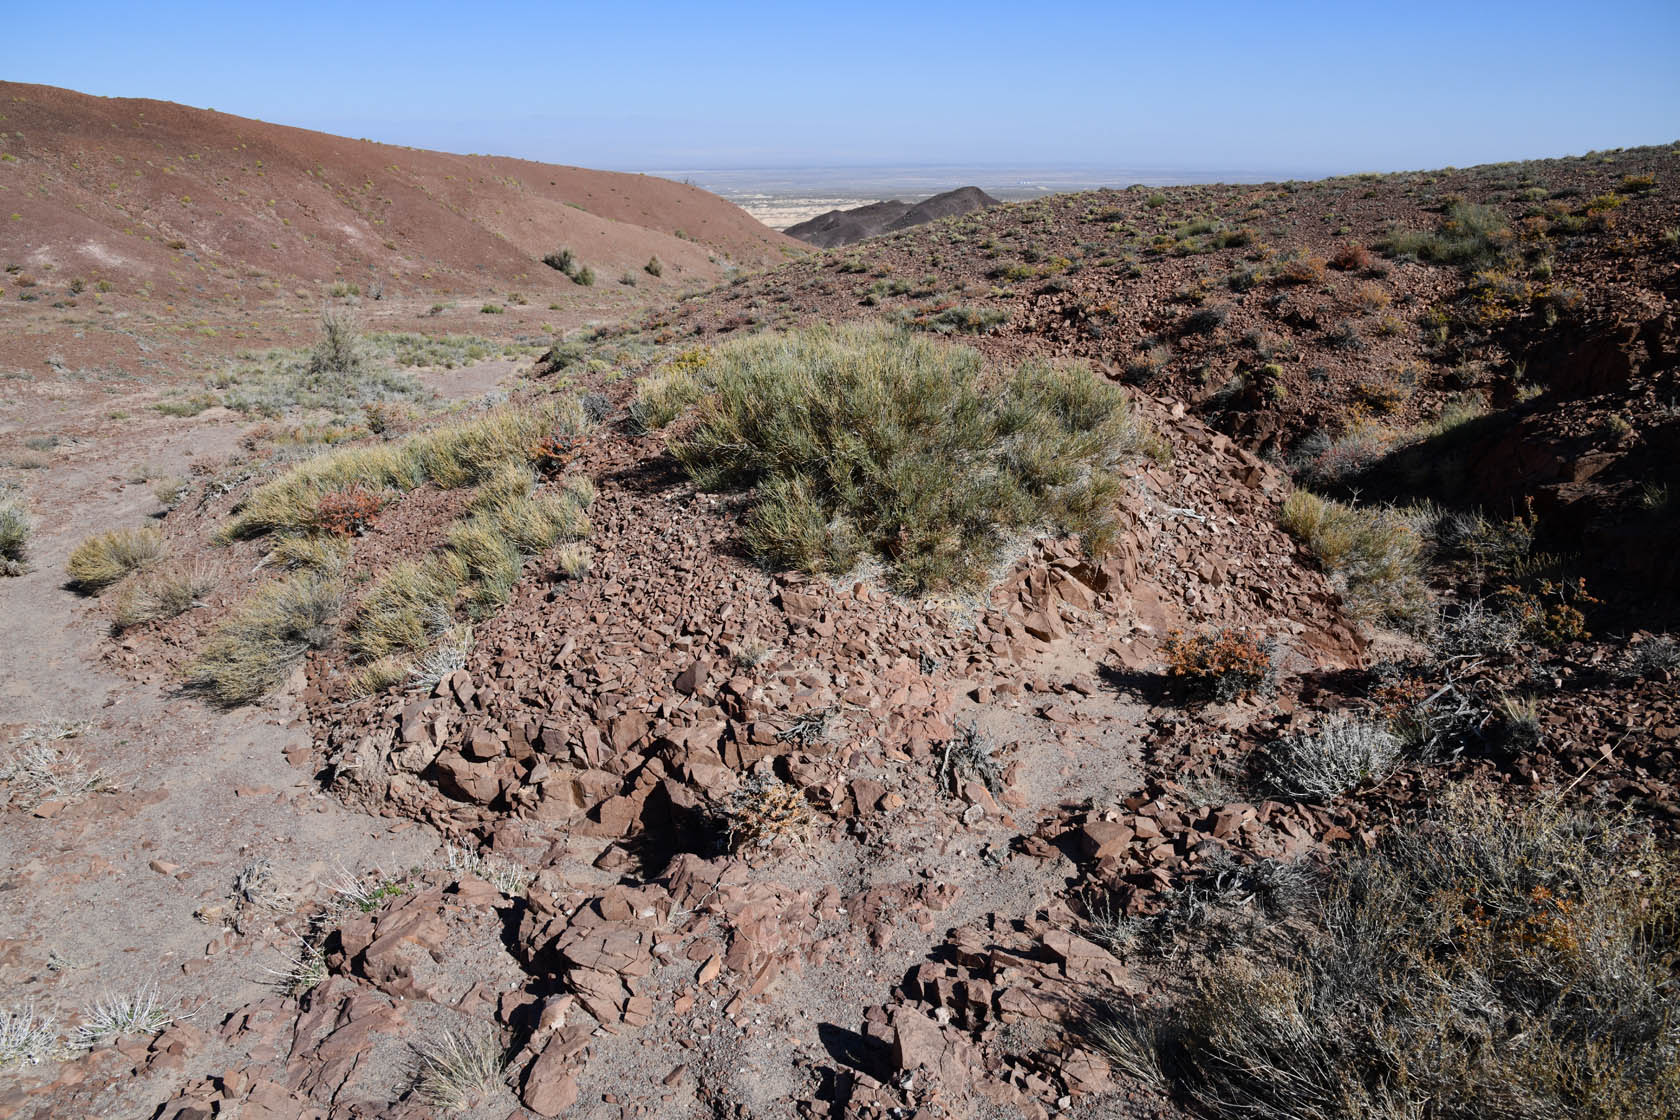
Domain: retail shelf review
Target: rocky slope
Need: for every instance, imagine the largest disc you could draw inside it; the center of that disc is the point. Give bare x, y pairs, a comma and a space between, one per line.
846, 227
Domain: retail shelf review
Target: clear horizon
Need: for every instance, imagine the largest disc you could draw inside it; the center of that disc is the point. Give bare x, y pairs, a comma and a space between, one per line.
1270, 91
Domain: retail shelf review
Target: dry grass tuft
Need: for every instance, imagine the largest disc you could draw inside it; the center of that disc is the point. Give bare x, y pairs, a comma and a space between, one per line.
163, 594
455, 1069
1373, 557
40, 772
103, 559
1497, 961
257, 648
16, 526
118, 1016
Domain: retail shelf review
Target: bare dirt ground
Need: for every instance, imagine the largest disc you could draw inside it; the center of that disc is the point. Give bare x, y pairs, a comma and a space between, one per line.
138, 885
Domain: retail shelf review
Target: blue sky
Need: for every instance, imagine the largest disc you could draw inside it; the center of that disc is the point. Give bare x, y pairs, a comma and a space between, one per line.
1284, 87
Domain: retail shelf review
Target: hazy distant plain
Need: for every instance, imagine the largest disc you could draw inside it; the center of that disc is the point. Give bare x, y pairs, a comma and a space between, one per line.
781, 196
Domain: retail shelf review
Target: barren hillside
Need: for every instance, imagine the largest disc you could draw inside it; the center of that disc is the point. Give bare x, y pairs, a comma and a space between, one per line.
191, 202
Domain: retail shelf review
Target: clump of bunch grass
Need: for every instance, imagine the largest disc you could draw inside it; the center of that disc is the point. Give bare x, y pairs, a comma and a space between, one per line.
410, 608
256, 649
16, 527
571, 561
1371, 555
163, 594
450, 457
864, 440
455, 1069
142, 1012
1496, 961
26, 1038
104, 558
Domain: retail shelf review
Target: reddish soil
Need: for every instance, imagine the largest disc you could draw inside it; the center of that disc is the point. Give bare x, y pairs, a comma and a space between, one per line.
191, 204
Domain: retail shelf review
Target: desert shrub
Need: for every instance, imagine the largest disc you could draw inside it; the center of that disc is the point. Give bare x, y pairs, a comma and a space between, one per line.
347, 512
1351, 258
1475, 629
1549, 612
765, 812
159, 595
863, 440
1300, 270
1339, 757
1371, 297
551, 455
584, 276
1371, 555
1496, 961
1655, 657
1470, 235
107, 557
562, 260
654, 267
1205, 320
1324, 459
965, 320
1221, 666
339, 351
258, 646
16, 526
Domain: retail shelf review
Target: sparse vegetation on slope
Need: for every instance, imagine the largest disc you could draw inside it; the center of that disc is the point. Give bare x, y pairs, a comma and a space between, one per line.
411, 607
865, 441
449, 457
1497, 962
1373, 556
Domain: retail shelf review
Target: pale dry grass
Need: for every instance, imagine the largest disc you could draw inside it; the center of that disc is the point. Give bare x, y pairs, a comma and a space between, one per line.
107, 557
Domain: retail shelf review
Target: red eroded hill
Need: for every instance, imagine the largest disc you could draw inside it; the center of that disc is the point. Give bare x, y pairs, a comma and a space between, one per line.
196, 202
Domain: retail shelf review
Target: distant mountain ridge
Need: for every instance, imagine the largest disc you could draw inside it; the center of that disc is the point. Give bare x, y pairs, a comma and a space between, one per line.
844, 227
